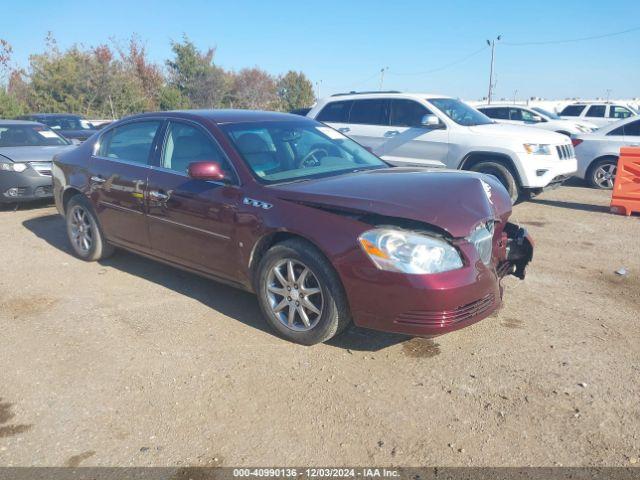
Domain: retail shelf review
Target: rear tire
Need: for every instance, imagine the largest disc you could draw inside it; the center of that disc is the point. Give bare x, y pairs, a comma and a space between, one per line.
602, 173
84, 232
503, 174
290, 302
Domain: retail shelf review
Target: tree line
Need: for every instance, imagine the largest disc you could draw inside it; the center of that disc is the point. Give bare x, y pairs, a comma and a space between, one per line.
113, 79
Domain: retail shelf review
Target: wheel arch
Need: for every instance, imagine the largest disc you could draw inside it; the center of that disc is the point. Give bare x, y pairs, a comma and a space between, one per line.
473, 158
67, 195
593, 163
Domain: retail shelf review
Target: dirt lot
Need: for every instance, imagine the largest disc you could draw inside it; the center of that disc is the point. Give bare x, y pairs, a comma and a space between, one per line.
128, 362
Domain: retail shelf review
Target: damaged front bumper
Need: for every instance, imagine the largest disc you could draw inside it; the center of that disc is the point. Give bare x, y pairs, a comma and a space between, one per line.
517, 251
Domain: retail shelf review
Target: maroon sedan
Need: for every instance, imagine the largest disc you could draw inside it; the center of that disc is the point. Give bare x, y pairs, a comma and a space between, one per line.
323, 231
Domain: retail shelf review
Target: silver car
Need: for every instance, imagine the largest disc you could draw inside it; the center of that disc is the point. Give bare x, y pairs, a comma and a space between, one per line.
598, 152
26, 151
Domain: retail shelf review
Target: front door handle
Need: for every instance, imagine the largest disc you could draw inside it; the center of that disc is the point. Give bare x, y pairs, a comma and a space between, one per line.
97, 179
344, 129
158, 196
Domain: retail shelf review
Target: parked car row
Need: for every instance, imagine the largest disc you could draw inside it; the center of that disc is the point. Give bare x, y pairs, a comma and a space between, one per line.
439, 131
72, 127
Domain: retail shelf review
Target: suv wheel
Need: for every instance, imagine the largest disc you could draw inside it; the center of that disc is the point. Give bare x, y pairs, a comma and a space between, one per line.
602, 173
300, 294
502, 173
83, 230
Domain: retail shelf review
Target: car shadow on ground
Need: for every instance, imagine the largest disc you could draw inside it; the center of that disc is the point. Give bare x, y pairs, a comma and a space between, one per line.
229, 301
586, 207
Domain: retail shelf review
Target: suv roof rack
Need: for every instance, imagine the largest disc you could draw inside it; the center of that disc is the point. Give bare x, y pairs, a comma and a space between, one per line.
353, 92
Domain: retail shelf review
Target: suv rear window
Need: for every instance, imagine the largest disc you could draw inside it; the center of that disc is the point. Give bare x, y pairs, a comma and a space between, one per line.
572, 110
335, 112
369, 112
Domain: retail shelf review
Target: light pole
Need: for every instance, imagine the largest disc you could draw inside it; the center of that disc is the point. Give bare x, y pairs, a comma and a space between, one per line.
382, 70
318, 89
492, 44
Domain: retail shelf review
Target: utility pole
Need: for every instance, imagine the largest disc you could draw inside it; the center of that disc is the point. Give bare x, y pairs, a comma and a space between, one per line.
608, 94
515, 94
318, 89
492, 44
382, 70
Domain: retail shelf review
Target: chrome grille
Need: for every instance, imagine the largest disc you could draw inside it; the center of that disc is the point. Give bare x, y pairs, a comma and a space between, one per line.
565, 152
43, 168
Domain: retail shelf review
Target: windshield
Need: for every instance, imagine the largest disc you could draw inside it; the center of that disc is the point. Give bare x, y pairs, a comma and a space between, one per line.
288, 151
66, 123
29, 136
547, 113
460, 112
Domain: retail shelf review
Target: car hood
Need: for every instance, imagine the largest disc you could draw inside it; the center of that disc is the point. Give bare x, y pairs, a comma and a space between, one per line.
522, 133
33, 154
452, 200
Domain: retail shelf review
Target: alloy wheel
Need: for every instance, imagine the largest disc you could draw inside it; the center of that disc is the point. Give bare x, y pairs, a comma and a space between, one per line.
605, 175
81, 229
294, 295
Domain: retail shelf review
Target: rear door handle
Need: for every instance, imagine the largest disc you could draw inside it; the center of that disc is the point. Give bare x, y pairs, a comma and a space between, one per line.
97, 179
158, 196
391, 133
344, 129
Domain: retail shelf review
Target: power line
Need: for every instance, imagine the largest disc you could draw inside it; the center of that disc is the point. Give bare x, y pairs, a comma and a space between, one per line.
572, 40
444, 67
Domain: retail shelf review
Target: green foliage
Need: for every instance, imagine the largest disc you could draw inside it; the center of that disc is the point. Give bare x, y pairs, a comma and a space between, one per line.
295, 91
114, 81
10, 107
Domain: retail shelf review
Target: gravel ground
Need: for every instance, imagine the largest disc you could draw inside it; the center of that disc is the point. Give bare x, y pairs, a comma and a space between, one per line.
129, 362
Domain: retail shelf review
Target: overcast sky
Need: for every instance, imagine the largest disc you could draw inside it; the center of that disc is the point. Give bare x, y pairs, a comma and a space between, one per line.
428, 46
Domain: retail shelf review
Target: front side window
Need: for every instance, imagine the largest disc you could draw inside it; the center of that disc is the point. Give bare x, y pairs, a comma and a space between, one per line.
516, 114
185, 144
498, 113
29, 136
547, 113
572, 110
528, 116
131, 142
335, 112
460, 112
407, 113
619, 112
596, 111
293, 151
369, 112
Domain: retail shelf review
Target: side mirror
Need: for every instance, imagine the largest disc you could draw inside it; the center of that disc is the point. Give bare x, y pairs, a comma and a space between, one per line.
430, 121
206, 171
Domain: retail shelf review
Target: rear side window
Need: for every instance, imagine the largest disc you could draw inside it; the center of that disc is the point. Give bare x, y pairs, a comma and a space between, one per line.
335, 112
407, 113
619, 112
497, 113
618, 131
369, 112
596, 111
131, 142
572, 110
632, 129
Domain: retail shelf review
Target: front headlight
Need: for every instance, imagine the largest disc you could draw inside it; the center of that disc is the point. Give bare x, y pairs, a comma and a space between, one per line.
13, 167
398, 250
537, 148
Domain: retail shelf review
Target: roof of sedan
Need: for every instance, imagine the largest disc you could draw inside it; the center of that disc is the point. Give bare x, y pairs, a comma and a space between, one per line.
233, 116
17, 122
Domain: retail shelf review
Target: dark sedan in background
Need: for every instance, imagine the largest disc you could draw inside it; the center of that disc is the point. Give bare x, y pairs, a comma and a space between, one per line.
323, 231
72, 127
26, 150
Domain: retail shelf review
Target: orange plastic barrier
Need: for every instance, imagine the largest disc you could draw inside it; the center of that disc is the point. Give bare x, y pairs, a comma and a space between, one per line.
625, 198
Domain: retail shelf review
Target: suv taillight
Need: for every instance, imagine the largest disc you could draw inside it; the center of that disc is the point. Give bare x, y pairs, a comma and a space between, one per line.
576, 141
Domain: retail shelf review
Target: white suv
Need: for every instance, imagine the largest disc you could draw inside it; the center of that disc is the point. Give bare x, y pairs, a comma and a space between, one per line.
535, 117
600, 114
438, 131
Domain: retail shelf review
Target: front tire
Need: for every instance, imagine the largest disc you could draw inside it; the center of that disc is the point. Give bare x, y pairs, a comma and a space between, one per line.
602, 173
503, 174
84, 232
300, 294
